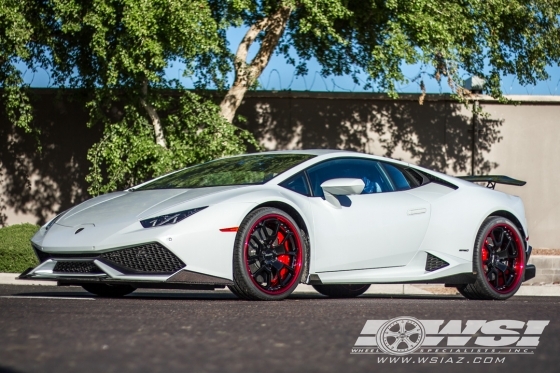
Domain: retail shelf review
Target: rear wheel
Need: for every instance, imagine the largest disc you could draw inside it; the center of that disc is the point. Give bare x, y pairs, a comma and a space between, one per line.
342, 291
269, 256
109, 291
498, 260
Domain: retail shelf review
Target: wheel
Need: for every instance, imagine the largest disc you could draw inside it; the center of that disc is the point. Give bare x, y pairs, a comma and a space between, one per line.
342, 291
109, 291
498, 260
269, 256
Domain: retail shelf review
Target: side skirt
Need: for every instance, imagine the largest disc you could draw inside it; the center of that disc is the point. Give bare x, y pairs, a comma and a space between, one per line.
458, 279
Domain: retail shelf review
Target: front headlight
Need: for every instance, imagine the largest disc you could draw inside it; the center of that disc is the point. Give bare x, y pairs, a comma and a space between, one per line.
56, 218
174, 218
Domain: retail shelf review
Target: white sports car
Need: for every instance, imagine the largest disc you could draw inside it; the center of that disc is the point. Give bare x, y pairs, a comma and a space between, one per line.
263, 223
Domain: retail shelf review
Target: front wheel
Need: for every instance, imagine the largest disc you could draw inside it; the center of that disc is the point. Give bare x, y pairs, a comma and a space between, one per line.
269, 256
342, 291
498, 260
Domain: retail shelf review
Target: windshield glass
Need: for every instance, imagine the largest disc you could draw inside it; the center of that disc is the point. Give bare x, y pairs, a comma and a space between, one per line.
245, 170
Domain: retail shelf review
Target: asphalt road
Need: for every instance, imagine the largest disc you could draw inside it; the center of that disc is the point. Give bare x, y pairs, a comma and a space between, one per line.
47, 329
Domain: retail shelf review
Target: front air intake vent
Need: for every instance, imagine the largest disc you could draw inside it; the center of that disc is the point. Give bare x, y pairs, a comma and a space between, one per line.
76, 267
434, 263
42, 256
146, 258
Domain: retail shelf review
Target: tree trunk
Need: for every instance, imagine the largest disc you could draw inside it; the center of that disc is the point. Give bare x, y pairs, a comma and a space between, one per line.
247, 73
154, 117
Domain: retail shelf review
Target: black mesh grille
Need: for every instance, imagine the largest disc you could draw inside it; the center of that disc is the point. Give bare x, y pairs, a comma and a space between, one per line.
76, 267
150, 257
433, 263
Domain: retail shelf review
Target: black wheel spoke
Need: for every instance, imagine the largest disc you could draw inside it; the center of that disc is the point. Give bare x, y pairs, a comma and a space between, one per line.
256, 241
499, 240
277, 265
287, 279
258, 271
290, 269
274, 235
501, 266
288, 234
502, 254
279, 249
509, 279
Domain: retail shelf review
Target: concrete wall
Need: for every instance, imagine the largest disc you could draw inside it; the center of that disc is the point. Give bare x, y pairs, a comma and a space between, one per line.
518, 141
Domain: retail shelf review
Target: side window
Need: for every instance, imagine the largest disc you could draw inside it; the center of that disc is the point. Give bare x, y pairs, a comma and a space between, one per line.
368, 170
399, 179
298, 184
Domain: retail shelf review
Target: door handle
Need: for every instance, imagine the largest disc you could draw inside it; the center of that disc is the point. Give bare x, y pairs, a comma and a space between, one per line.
416, 211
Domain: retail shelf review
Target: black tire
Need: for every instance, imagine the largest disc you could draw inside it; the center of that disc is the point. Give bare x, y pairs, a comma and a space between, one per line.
109, 291
498, 261
263, 267
237, 292
342, 291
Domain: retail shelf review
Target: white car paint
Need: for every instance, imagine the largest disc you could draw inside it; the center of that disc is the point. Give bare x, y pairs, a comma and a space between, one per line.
377, 238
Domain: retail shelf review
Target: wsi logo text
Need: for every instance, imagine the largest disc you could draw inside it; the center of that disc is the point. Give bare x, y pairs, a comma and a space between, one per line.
405, 335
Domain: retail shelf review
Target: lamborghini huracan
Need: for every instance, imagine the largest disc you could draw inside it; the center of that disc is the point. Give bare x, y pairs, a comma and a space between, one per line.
263, 223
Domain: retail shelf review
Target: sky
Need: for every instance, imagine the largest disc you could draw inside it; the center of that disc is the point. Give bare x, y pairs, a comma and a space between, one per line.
279, 75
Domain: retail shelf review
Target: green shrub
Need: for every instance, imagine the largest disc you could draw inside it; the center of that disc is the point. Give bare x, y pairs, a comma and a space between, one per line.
16, 254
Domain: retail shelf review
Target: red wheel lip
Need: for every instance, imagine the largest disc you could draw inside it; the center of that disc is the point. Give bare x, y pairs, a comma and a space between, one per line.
298, 264
520, 263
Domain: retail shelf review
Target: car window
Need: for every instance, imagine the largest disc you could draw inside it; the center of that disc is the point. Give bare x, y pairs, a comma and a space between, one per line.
399, 179
298, 184
369, 171
242, 170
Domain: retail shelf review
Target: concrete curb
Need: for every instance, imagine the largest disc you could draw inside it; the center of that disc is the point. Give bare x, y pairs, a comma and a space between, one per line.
11, 279
548, 290
548, 269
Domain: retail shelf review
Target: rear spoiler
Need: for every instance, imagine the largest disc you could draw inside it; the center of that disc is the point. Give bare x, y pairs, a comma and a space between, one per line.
492, 180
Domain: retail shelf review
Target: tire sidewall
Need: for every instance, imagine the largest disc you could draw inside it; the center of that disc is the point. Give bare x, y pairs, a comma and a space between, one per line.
485, 229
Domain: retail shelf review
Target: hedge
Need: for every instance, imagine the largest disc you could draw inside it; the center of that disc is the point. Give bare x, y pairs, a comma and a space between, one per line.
16, 254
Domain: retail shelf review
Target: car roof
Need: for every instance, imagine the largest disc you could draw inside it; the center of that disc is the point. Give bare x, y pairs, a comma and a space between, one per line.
306, 151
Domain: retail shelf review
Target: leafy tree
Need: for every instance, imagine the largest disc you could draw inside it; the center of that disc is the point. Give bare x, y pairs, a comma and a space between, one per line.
17, 45
117, 50
486, 38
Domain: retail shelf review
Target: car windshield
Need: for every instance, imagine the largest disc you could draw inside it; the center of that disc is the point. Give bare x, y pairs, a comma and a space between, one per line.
244, 170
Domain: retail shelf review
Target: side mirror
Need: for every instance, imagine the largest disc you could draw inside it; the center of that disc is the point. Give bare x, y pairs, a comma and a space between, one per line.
341, 187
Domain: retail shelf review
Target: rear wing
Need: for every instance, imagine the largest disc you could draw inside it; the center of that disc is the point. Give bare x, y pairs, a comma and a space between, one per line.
492, 180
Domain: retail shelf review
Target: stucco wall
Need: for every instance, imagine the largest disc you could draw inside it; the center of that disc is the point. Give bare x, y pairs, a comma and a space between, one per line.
518, 141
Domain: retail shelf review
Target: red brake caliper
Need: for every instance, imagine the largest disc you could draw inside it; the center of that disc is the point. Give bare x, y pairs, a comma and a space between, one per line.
283, 259
484, 254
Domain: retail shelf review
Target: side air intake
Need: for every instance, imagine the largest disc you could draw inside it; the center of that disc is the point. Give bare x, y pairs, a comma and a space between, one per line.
434, 263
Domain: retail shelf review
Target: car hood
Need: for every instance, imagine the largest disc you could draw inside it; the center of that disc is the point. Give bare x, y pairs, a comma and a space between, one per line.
130, 206
102, 220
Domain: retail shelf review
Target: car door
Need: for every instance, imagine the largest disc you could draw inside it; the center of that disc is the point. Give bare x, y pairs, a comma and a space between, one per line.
382, 227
